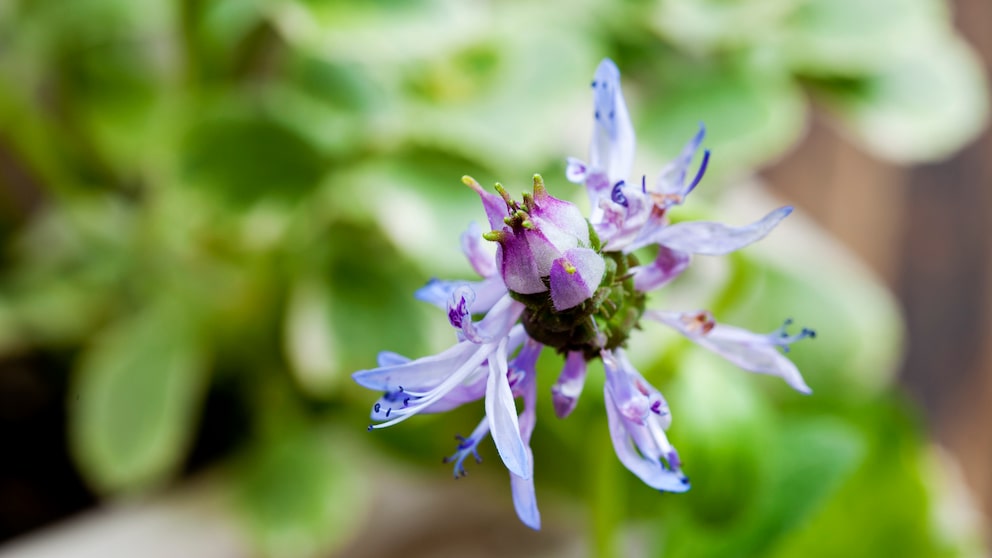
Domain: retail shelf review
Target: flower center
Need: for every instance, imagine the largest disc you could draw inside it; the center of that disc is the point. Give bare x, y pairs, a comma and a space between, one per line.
604, 321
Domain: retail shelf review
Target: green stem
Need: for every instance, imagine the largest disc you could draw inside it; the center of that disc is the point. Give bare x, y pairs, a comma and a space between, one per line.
607, 490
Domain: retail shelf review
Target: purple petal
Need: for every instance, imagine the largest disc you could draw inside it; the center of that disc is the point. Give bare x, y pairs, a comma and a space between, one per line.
671, 179
418, 375
482, 260
494, 205
518, 266
524, 499
650, 471
716, 239
668, 265
566, 391
575, 277
613, 143
751, 351
503, 421
487, 292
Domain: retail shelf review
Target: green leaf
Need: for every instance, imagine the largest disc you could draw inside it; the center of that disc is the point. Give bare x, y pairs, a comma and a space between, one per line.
299, 495
247, 158
134, 399
922, 106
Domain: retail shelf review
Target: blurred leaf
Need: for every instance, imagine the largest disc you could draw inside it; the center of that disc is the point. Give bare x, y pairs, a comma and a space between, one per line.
244, 159
850, 38
751, 116
135, 398
882, 509
923, 106
713, 24
353, 299
719, 422
299, 494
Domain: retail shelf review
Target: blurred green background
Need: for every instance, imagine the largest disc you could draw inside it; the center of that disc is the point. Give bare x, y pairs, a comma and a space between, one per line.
213, 211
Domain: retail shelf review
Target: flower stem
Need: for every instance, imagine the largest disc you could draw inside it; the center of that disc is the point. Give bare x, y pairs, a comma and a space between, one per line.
607, 491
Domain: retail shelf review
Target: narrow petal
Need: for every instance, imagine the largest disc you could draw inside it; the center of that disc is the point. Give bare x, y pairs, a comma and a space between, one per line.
566, 391
716, 239
482, 260
753, 352
525, 500
575, 277
503, 421
668, 265
671, 180
417, 375
613, 141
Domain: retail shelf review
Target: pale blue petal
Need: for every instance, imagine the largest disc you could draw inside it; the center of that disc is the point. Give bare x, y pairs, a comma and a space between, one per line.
715, 239
502, 415
650, 471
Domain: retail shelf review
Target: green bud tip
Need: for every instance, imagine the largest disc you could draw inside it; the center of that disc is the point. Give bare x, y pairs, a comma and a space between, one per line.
539, 189
494, 236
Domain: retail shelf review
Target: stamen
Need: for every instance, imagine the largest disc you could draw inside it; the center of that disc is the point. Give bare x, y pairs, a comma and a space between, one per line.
617, 194
781, 338
701, 322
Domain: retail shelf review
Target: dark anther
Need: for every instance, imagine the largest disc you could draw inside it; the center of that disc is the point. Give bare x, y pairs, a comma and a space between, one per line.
445, 460
594, 83
617, 194
644, 184
370, 428
389, 410
406, 402
376, 407
399, 388
596, 115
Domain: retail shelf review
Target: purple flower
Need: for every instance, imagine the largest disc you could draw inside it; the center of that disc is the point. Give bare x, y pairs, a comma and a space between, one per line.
559, 280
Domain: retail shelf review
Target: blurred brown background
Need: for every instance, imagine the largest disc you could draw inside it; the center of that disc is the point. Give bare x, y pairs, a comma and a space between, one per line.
926, 232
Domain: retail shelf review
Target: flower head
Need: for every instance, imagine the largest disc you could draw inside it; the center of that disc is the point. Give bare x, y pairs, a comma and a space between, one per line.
561, 281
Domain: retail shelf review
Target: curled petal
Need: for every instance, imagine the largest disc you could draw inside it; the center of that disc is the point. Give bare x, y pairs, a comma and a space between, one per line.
576, 170
481, 259
651, 471
487, 292
751, 351
503, 420
715, 239
566, 391
575, 277
668, 265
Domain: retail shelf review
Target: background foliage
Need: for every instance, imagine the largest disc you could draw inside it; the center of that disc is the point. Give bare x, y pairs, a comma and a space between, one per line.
228, 204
